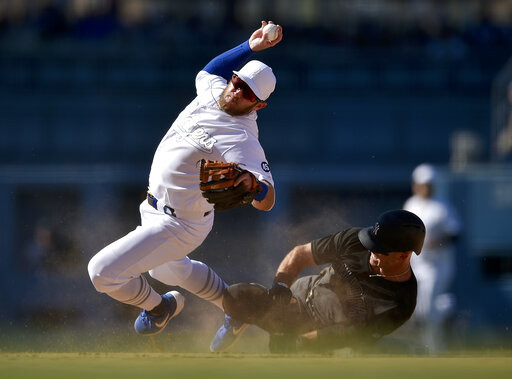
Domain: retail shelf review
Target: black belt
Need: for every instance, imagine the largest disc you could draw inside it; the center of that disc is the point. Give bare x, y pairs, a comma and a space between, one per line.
153, 201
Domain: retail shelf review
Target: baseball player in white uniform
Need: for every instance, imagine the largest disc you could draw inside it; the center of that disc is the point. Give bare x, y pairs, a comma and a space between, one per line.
219, 124
435, 267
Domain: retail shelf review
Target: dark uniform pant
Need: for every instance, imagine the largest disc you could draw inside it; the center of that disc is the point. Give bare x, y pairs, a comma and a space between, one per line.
251, 304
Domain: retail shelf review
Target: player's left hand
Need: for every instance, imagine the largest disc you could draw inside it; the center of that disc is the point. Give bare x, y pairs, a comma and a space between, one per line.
258, 42
280, 293
246, 180
226, 185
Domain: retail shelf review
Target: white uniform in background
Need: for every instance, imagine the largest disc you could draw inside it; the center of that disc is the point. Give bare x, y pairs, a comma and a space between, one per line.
161, 243
435, 266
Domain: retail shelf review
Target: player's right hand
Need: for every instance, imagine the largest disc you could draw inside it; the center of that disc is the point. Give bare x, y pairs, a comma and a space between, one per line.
280, 293
257, 42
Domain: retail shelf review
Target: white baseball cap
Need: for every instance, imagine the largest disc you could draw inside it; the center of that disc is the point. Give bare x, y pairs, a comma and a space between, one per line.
259, 77
424, 174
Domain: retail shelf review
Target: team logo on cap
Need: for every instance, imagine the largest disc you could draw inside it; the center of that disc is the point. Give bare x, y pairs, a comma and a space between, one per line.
376, 228
265, 166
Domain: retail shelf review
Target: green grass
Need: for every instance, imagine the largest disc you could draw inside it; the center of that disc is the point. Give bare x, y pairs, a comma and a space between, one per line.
120, 353
168, 365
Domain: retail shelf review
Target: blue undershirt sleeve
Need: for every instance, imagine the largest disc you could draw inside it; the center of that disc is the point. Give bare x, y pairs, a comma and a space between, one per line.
224, 64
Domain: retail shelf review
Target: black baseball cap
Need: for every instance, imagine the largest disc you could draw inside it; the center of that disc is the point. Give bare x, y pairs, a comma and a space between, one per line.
395, 231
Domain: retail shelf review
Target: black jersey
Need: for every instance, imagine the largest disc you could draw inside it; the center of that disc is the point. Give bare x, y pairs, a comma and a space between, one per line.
345, 300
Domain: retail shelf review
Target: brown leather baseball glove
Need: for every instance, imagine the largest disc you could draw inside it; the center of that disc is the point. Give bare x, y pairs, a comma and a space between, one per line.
217, 181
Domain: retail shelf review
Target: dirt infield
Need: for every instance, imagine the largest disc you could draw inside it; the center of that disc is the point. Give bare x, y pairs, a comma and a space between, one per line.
131, 365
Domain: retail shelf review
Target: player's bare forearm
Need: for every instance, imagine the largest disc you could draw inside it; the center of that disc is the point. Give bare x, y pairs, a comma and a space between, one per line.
313, 335
294, 262
257, 42
268, 202
308, 341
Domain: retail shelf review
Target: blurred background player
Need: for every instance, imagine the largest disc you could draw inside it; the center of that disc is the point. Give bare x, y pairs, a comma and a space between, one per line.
219, 124
367, 291
504, 140
435, 267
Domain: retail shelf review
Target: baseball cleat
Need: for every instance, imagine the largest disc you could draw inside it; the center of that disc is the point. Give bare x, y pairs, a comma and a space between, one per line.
227, 335
147, 324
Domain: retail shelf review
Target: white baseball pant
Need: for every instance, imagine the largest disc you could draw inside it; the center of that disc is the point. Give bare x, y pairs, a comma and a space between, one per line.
159, 245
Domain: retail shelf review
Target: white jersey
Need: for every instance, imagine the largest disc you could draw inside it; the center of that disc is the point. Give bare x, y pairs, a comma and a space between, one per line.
435, 267
202, 130
439, 218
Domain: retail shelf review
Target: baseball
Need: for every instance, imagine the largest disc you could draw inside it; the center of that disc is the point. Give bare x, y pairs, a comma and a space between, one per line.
272, 31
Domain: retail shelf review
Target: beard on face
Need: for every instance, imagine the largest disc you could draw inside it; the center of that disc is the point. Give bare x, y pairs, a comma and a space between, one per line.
233, 108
